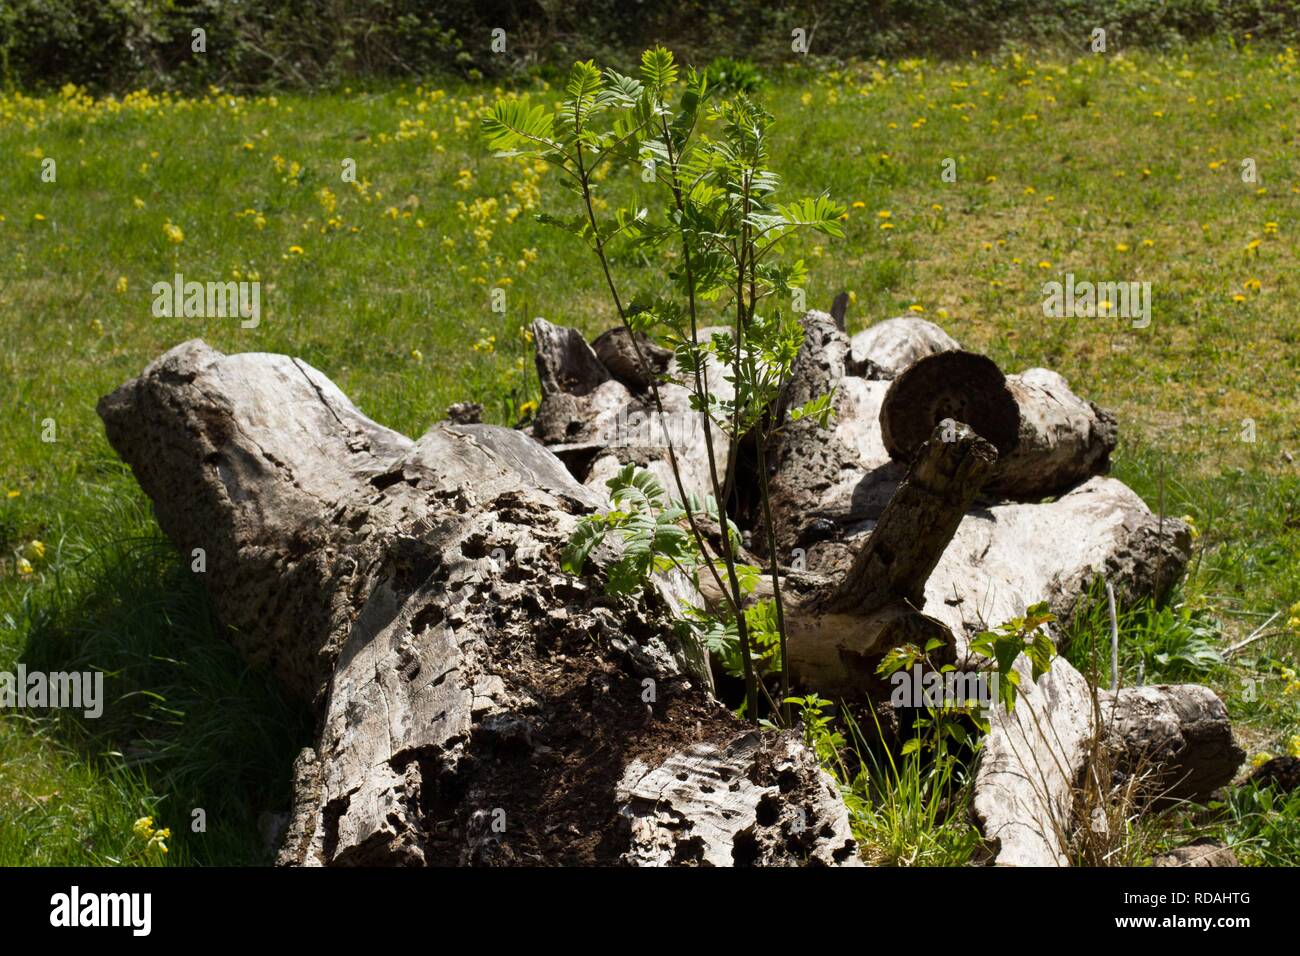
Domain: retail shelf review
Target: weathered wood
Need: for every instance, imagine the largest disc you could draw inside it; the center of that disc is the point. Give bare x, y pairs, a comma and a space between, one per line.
886, 349
616, 352
811, 465
565, 362
960, 385
830, 489
597, 430
838, 628
1030, 761
1048, 438
706, 806
1177, 737
1198, 855
477, 704
914, 530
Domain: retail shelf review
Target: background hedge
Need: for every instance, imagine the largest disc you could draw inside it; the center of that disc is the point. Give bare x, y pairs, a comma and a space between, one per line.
120, 44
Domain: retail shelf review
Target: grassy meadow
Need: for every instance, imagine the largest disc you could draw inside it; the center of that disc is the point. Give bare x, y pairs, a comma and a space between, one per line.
1111, 167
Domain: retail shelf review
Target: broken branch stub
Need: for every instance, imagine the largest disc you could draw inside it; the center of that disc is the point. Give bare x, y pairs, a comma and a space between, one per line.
838, 631
920, 520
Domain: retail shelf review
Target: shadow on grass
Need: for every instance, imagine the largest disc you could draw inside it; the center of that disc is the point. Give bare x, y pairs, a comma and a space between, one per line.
180, 710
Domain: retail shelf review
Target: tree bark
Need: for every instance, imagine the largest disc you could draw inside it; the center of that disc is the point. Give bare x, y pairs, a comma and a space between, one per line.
1177, 736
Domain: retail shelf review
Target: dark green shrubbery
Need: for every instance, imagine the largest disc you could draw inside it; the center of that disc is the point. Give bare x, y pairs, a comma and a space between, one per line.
124, 43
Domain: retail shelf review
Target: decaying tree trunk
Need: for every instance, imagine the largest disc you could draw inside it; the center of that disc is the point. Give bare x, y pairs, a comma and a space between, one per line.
1176, 736
477, 705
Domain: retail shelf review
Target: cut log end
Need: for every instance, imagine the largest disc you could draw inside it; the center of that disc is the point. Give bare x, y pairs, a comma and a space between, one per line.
958, 385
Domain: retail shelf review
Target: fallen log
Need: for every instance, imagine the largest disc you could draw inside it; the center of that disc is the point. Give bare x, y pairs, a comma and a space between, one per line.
476, 704
907, 556
1047, 437
1029, 763
995, 559
1176, 739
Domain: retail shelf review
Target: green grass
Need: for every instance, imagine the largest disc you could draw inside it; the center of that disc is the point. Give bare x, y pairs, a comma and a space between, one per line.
1115, 168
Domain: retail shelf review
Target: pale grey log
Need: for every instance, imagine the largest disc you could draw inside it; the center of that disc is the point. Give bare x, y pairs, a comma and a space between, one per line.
412, 591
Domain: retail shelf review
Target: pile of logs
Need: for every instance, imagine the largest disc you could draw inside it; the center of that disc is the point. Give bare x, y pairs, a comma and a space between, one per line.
478, 705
